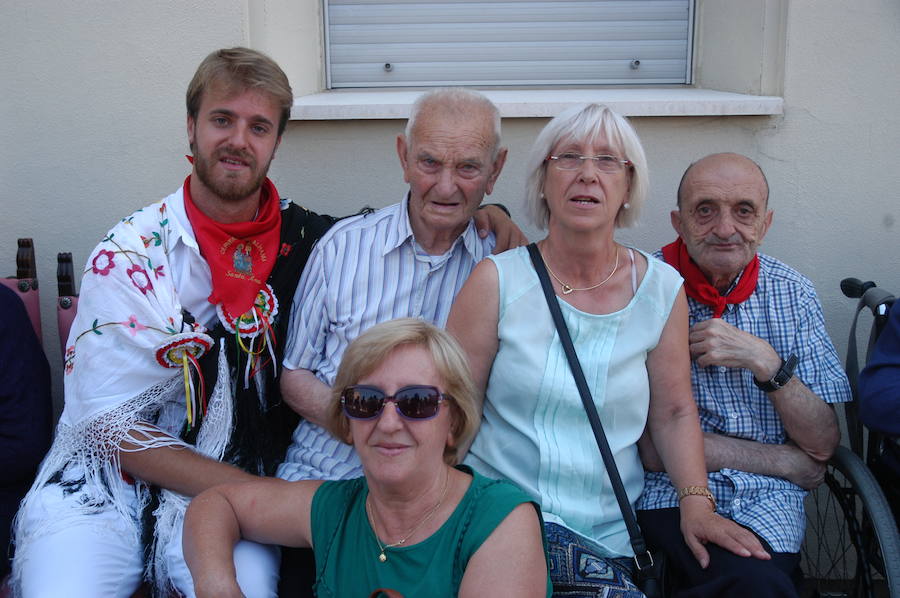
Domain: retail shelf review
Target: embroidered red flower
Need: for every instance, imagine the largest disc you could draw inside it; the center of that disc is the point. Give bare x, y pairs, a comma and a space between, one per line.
70, 359
103, 262
133, 325
285, 249
140, 279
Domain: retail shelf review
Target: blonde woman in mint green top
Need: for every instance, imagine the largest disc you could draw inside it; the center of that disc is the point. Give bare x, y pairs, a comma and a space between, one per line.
627, 315
414, 524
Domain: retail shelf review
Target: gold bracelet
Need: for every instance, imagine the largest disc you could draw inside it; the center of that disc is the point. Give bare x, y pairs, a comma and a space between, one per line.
697, 491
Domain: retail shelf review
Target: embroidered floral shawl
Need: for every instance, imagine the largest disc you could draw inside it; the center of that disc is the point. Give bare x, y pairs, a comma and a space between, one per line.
122, 366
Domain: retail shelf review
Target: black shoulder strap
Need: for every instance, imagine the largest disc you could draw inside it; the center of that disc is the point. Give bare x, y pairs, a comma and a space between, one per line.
634, 532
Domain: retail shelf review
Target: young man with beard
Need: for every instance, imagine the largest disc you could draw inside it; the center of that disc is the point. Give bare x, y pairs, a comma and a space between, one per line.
171, 379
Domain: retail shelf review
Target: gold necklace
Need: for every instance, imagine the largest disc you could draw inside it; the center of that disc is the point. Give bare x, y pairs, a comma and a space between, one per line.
382, 547
566, 288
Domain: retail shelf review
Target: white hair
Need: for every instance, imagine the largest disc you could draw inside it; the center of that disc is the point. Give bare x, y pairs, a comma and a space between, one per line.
585, 123
459, 100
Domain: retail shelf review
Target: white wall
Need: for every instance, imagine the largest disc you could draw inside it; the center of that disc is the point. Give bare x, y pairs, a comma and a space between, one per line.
92, 113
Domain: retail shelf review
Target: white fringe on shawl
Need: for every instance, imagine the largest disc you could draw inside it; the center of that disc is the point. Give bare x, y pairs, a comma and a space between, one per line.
92, 447
211, 442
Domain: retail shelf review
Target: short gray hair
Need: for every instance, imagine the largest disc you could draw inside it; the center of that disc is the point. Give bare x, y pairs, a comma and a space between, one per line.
458, 100
584, 123
735, 156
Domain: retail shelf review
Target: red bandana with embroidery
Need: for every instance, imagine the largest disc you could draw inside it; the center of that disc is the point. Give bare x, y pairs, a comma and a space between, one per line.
697, 287
240, 255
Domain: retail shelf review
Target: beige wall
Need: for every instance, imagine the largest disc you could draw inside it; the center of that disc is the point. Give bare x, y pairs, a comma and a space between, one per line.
92, 116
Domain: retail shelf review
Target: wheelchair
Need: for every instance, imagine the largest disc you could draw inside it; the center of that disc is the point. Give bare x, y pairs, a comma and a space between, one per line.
852, 545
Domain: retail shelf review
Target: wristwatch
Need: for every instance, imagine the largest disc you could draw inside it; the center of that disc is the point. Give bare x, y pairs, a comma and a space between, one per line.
781, 377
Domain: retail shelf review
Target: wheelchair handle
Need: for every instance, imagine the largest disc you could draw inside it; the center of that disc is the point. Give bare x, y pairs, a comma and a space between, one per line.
877, 300
854, 288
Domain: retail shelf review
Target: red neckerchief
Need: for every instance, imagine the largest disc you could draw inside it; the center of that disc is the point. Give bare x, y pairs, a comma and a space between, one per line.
697, 287
240, 255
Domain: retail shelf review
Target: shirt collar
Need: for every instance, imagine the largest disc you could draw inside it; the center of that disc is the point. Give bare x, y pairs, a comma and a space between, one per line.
401, 232
178, 217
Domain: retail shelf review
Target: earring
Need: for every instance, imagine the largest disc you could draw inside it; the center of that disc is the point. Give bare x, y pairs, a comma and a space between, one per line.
542, 195
626, 206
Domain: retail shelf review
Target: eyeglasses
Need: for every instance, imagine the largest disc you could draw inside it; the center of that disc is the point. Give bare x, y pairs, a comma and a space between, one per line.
570, 161
416, 402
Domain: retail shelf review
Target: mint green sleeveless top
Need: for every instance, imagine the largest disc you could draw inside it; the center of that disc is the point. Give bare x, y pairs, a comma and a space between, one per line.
346, 551
535, 432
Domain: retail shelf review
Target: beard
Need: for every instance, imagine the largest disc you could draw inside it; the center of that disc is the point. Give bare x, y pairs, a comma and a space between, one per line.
229, 187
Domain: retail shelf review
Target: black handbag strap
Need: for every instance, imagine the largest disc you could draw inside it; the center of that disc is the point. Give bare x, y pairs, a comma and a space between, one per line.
642, 556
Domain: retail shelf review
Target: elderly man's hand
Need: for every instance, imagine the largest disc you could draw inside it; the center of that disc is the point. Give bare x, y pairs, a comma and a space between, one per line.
700, 525
716, 342
490, 218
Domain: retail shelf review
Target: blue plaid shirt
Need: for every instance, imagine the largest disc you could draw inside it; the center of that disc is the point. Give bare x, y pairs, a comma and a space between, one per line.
785, 311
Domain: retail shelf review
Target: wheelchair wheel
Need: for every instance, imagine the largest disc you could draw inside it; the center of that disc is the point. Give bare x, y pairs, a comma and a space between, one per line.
852, 547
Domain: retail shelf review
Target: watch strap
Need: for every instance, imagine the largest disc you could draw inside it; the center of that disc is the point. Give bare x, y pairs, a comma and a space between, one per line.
781, 377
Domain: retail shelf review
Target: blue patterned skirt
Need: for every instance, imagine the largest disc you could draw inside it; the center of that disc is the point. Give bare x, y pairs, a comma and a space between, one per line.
578, 569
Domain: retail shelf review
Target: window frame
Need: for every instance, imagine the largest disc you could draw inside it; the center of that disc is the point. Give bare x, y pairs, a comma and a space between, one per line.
498, 82
727, 78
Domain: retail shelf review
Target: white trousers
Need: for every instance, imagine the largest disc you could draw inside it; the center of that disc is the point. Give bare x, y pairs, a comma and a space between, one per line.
94, 555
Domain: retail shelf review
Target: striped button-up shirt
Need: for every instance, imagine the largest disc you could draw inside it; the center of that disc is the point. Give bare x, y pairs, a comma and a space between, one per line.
784, 311
365, 270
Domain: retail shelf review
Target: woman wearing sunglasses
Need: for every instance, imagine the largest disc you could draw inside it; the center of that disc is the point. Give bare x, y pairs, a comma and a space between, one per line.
628, 319
414, 523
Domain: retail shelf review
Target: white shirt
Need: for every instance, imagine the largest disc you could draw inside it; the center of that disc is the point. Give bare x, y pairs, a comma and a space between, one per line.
365, 270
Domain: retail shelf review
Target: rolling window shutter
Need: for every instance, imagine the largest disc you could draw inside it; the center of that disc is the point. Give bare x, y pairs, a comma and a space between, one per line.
374, 43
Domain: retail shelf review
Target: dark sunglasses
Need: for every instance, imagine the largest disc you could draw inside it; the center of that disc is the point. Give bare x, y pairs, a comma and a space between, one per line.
416, 402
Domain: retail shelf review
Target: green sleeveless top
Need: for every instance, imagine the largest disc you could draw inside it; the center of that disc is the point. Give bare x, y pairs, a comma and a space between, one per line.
346, 551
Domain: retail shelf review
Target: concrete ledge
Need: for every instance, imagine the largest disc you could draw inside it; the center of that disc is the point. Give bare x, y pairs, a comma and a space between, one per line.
543, 103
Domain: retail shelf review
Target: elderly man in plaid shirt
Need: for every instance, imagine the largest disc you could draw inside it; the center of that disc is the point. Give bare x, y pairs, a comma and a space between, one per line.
763, 372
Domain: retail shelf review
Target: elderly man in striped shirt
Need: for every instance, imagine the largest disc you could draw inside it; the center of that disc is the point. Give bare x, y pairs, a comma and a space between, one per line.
763, 373
408, 259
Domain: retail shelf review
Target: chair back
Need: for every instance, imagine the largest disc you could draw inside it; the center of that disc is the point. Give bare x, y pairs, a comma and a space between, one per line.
67, 298
25, 283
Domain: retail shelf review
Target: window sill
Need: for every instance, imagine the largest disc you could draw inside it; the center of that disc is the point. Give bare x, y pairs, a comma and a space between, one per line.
543, 103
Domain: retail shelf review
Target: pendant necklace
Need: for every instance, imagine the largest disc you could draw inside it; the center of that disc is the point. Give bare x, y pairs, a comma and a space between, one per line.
566, 288
382, 547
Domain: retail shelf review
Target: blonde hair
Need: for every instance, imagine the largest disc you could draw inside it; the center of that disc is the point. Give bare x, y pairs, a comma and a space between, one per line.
373, 346
240, 69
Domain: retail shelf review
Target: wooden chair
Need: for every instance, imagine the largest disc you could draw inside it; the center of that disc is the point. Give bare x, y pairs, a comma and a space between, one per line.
67, 298
25, 283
